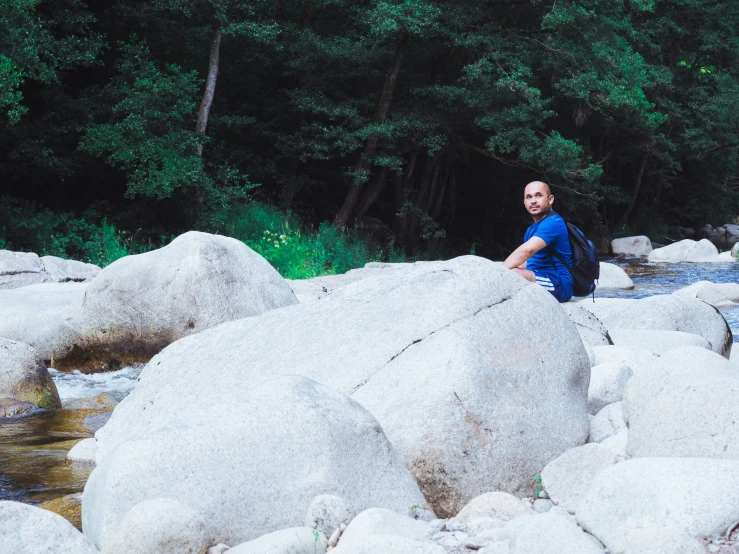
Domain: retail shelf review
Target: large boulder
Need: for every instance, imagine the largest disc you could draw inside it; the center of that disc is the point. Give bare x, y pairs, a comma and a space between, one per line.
658, 342
666, 312
24, 377
692, 494
44, 316
631, 246
442, 353
613, 277
27, 529
139, 304
673, 253
692, 357
63, 271
716, 294
18, 269
703, 251
683, 411
253, 463
687, 250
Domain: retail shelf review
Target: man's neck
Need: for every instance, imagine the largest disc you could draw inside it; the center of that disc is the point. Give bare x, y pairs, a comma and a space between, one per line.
538, 218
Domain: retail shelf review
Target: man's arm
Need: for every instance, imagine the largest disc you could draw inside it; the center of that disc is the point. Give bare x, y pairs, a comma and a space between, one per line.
519, 256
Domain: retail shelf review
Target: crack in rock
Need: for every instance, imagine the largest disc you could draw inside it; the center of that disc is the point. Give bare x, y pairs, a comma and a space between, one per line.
365, 381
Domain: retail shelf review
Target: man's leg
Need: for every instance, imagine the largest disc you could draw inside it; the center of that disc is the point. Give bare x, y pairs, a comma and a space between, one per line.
525, 273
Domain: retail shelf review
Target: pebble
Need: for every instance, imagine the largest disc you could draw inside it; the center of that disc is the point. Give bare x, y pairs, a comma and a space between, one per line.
437, 525
714, 548
461, 536
543, 494
334, 538
542, 505
220, 548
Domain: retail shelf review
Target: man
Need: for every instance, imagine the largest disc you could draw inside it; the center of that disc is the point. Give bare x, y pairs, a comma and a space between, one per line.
533, 260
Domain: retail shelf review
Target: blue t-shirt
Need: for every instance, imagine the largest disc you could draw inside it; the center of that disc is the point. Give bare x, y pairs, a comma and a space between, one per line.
553, 231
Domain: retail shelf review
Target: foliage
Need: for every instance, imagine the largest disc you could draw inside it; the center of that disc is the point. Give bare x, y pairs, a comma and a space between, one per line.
299, 253
434, 112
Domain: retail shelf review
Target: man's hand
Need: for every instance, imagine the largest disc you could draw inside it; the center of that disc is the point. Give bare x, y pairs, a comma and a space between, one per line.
520, 255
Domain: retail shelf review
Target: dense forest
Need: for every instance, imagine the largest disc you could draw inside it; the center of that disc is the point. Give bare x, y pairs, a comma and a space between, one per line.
347, 130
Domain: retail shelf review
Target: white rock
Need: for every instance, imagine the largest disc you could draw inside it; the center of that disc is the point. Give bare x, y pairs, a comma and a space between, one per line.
689, 357
684, 411
658, 342
159, 525
547, 533
690, 493
643, 536
613, 277
219, 548
139, 304
378, 521
617, 444
42, 316
19, 269
391, 342
607, 385
387, 544
703, 251
673, 253
592, 331
668, 313
568, 478
732, 229
27, 529
607, 422
716, 294
83, 452
631, 246
542, 505
62, 271
253, 464
637, 359
725, 258
497, 505
590, 353
286, 541
326, 513
24, 377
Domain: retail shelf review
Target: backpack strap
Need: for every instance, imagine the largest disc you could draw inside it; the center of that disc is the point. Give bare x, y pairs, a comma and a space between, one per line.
560, 258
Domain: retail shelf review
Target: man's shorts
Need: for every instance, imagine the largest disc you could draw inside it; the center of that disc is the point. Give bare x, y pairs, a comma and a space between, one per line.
552, 283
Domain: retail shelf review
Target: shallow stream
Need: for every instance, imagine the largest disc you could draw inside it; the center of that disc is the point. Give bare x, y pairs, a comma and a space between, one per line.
33, 468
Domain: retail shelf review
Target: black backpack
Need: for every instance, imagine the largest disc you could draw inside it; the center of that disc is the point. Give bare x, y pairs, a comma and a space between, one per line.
585, 268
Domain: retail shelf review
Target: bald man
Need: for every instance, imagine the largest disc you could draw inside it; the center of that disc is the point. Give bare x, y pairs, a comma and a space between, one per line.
533, 260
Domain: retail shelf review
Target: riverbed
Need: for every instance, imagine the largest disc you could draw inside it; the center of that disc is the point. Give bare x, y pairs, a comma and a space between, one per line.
33, 467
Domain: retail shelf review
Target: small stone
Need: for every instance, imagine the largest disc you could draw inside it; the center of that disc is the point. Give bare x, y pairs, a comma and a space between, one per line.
475, 543
543, 494
437, 525
461, 536
453, 526
714, 548
333, 540
543, 505
440, 535
480, 524
219, 548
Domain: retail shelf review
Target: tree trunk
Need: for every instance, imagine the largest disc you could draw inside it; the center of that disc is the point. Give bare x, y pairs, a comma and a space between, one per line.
637, 186
210, 85
372, 193
402, 192
345, 215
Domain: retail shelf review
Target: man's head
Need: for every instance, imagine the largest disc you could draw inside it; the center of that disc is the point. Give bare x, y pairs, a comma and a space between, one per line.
538, 199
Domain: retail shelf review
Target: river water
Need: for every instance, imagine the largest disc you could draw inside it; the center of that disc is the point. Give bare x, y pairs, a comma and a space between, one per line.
33, 467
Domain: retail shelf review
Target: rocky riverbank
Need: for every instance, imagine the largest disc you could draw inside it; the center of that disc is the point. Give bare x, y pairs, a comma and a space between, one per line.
438, 407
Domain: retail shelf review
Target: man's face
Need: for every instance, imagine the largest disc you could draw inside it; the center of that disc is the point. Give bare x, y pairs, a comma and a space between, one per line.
538, 199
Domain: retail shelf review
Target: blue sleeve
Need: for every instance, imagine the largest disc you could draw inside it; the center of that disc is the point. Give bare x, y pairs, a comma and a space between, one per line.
548, 230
